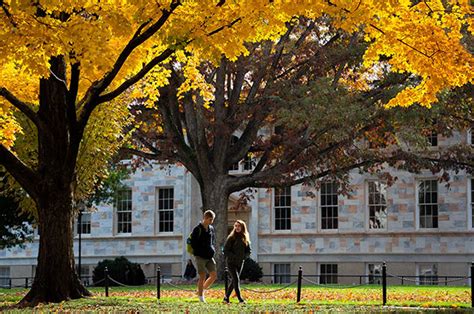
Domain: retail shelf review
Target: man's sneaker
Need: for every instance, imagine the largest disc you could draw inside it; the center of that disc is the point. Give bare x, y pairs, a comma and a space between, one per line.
202, 299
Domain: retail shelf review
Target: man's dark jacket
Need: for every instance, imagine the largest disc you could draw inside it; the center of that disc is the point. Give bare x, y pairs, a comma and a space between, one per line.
203, 241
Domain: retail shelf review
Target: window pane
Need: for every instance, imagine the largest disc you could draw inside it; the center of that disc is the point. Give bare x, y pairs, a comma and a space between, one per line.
84, 226
4, 276
472, 196
328, 274
165, 209
281, 273
377, 205
428, 274
124, 211
282, 201
329, 206
428, 203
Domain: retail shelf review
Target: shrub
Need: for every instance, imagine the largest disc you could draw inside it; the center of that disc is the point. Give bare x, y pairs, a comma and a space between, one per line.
251, 271
121, 270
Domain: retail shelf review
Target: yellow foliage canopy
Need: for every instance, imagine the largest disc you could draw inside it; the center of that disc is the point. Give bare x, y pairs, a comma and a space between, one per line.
422, 39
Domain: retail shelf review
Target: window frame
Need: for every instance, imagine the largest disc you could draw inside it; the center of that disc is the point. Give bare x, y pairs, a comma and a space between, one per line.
248, 163
5, 276
117, 212
427, 280
418, 208
76, 225
433, 139
470, 203
281, 277
287, 209
158, 211
376, 278
330, 278
322, 207
369, 205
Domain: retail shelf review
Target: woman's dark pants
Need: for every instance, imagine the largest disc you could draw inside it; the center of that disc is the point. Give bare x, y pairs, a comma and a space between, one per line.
234, 271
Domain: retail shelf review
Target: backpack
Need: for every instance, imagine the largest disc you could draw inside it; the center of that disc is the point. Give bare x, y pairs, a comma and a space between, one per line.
189, 247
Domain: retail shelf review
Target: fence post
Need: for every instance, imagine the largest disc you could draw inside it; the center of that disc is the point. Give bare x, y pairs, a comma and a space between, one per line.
472, 284
226, 280
300, 277
26, 282
158, 283
384, 283
9, 283
106, 272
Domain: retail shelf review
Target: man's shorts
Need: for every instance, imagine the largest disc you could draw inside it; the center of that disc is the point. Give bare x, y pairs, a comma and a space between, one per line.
204, 265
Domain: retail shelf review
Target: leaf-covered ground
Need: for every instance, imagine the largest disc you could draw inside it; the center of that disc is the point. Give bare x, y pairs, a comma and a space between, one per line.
260, 298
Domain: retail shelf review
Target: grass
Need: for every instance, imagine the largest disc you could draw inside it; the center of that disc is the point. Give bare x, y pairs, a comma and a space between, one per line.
314, 299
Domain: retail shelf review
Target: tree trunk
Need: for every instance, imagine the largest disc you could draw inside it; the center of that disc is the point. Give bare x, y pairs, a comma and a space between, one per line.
216, 197
55, 279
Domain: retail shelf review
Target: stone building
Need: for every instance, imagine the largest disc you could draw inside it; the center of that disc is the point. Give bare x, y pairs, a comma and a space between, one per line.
419, 226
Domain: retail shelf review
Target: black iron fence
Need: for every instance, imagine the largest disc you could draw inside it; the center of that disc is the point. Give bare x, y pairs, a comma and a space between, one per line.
300, 278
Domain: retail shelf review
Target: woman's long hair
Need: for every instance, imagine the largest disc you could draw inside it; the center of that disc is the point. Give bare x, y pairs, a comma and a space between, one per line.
244, 234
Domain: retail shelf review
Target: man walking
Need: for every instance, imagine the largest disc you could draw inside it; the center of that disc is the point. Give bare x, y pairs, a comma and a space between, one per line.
202, 241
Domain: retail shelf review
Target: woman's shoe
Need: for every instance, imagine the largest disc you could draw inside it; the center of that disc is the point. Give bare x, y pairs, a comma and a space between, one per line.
242, 301
226, 300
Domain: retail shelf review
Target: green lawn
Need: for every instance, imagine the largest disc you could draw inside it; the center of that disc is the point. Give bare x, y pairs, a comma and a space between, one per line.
314, 299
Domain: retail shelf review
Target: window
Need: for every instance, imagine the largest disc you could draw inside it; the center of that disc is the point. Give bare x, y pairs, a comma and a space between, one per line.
249, 162
282, 208
328, 274
84, 272
4, 276
428, 203
234, 167
377, 205
329, 206
281, 273
124, 211
470, 136
374, 273
165, 272
433, 138
84, 225
165, 209
428, 274
471, 202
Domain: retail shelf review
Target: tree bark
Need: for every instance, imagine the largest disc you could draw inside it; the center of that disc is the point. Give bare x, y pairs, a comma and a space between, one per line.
215, 196
55, 279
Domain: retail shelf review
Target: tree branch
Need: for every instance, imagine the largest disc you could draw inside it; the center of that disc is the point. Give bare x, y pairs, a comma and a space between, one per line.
22, 106
92, 99
27, 178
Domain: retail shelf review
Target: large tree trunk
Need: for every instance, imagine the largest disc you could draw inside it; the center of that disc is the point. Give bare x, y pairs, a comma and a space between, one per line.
216, 197
55, 279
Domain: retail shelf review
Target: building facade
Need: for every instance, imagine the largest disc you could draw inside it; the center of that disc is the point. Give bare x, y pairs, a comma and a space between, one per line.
422, 228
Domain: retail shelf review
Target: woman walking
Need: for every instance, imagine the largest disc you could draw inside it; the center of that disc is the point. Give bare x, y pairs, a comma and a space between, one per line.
236, 250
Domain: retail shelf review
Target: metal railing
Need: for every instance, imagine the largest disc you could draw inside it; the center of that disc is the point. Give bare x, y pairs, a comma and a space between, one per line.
107, 280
